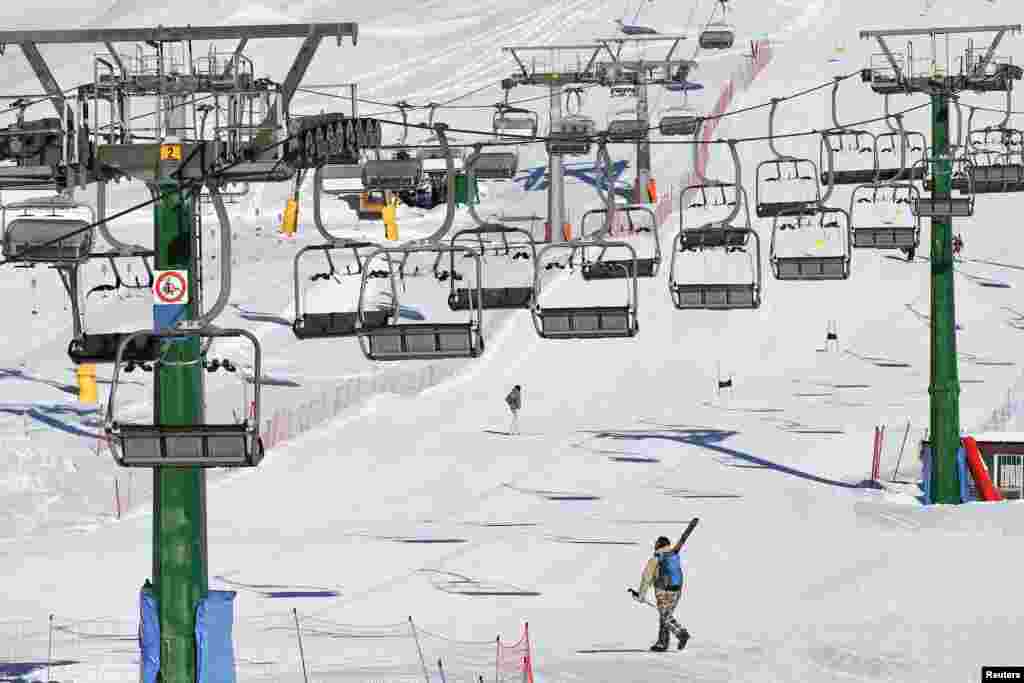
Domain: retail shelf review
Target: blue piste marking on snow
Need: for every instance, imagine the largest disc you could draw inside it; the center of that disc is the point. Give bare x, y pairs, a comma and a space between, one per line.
300, 594
537, 178
26, 668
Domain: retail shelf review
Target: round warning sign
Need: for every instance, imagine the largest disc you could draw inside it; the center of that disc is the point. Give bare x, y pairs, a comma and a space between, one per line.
170, 287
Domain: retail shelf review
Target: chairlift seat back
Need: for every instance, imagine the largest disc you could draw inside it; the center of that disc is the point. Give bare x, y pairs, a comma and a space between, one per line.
496, 165
494, 298
716, 297
228, 445
678, 125
339, 324
392, 174
567, 144
888, 175
885, 237
24, 235
419, 341
102, 348
853, 176
594, 322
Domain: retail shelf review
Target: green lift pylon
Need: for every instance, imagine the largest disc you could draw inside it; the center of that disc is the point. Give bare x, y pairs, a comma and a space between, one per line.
979, 71
944, 385
180, 578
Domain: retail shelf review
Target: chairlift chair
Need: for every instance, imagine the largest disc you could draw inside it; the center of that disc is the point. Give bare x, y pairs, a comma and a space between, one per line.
632, 216
679, 120
787, 169
587, 322
844, 143
906, 148
411, 341
513, 122
725, 241
190, 445
572, 137
717, 35
946, 207
42, 232
490, 298
333, 324
396, 175
806, 266
876, 234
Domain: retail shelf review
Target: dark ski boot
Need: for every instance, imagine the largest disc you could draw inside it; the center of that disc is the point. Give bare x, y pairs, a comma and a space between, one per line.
684, 636
662, 643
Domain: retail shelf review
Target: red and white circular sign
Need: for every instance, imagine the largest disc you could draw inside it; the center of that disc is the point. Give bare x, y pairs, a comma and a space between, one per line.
170, 287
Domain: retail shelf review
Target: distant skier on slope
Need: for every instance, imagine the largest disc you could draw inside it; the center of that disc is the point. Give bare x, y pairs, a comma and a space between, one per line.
515, 402
665, 572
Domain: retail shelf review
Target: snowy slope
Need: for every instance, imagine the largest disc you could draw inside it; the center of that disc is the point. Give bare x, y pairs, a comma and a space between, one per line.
796, 572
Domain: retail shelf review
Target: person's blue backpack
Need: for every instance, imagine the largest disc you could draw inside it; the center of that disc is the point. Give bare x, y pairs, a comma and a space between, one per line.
670, 570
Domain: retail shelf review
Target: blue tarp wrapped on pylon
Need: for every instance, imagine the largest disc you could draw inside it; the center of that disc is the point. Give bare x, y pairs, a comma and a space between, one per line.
149, 634
216, 653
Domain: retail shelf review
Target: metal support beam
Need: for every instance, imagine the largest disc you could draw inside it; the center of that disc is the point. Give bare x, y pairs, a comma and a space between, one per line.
116, 57
897, 71
941, 30
169, 34
556, 183
45, 76
980, 68
294, 77
237, 53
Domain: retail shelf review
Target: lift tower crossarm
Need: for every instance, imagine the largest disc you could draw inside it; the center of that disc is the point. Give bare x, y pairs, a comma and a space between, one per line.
169, 34
527, 78
940, 30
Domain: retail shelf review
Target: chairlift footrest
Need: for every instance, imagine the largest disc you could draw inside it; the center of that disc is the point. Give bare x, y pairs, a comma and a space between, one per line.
812, 268
716, 297
494, 298
593, 322
619, 269
420, 341
102, 348
187, 446
772, 209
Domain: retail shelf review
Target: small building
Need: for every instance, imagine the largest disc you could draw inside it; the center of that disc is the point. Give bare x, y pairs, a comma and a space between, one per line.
1003, 453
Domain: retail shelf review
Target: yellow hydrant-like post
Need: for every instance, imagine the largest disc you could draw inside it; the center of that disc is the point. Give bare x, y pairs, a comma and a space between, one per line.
87, 383
290, 222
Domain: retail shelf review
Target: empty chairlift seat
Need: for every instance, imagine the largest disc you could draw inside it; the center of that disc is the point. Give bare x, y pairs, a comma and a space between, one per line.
496, 165
871, 232
397, 175
630, 220
800, 176
338, 324
717, 36
485, 297
626, 130
332, 324
49, 239
193, 445
713, 292
572, 137
587, 322
411, 341
830, 229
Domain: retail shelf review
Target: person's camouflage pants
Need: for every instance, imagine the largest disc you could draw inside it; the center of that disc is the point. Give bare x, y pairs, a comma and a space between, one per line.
666, 602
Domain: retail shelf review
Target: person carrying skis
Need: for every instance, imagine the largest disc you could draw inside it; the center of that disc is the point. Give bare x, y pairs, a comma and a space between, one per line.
665, 572
515, 402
